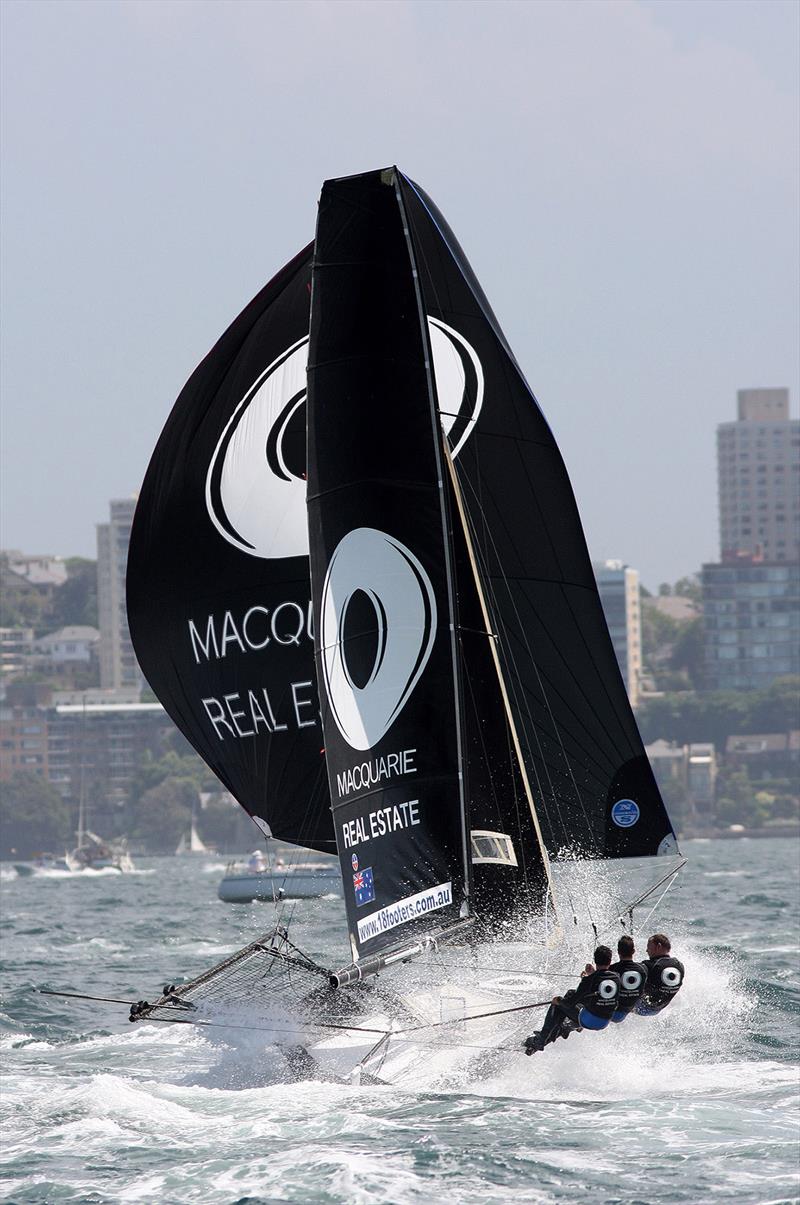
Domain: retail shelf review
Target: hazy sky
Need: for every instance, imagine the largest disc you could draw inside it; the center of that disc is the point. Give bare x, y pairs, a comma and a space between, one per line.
622, 174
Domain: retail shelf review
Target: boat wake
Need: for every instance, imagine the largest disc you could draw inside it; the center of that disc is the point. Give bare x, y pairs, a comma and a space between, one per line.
698, 1045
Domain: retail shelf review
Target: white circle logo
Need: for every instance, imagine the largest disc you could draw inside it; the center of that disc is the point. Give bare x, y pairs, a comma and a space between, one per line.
255, 485
670, 977
369, 679
631, 980
607, 989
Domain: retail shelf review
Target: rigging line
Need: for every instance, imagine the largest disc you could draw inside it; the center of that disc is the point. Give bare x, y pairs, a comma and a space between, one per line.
601, 677
521, 626
670, 875
496, 659
524, 466
481, 738
600, 762
498, 1012
47, 991
601, 674
516, 675
556, 727
267, 1028
462, 966
660, 899
496, 626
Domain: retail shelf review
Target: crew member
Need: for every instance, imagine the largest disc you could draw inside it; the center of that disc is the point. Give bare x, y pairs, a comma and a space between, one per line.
632, 978
588, 1006
664, 976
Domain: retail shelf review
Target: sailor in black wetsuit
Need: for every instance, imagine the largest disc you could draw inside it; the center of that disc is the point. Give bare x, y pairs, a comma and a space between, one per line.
589, 1006
664, 976
632, 979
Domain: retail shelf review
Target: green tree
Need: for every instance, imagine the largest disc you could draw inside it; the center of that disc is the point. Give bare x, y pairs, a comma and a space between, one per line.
33, 817
777, 708
162, 815
182, 767
688, 651
673, 792
689, 587
74, 602
737, 802
658, 631
217, 821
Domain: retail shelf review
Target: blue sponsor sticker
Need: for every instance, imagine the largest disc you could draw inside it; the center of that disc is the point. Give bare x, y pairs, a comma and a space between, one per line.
363, 886
625, 813
354, 861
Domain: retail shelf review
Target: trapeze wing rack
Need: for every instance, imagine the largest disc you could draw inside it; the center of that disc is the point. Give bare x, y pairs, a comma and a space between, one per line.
267, 969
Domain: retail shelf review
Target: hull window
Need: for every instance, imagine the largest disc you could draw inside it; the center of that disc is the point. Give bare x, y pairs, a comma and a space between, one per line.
497, 848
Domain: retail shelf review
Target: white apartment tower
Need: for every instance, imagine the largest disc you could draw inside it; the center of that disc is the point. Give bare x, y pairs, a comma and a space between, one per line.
758, 471
119, 669
618, 586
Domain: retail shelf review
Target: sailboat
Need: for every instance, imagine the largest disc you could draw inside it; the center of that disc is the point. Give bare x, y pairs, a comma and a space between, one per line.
191, 842
91, 852
358, 583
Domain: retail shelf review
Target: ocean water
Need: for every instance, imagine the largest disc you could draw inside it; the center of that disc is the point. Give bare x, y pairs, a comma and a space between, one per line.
699, 1104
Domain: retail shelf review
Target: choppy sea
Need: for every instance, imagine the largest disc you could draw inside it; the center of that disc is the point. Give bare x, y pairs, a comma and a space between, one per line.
699, 1104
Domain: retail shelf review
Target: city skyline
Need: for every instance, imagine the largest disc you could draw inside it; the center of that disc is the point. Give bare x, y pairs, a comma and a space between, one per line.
88, 545
622, 176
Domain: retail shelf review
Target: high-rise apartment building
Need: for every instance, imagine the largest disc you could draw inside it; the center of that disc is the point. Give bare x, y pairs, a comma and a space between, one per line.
119, 669
758, 461
618, 586
751, 599
751, 613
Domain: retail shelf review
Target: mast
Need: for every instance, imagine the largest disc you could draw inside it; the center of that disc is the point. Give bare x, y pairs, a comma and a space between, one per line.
81, 834
498, 668
446, 525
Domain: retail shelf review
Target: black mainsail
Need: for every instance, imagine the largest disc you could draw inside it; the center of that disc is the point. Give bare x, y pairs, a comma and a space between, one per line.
595, 793
382, 577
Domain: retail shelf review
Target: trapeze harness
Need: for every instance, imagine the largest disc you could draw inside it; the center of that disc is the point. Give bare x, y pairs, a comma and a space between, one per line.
632, 982
664, 980
591, 1005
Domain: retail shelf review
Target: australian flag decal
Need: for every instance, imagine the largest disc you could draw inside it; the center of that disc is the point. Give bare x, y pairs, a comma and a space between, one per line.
364, 889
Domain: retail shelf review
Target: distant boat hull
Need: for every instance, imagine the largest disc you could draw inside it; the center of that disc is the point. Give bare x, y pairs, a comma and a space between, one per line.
88, 858
302, 883
39, 866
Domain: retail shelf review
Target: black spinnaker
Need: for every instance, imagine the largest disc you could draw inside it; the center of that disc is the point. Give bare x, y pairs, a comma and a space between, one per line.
218, 589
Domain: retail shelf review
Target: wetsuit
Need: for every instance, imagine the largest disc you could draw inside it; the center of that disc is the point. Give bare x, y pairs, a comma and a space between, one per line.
591, 1005
632, 980
664, 980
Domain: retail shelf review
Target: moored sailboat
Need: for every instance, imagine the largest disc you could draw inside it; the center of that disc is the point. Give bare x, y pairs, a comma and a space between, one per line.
471, 726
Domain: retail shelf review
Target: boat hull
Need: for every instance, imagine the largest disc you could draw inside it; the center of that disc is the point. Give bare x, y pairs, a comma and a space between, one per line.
246, 886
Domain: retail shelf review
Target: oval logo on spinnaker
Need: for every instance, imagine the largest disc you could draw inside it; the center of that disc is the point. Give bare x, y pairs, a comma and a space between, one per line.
625, 813
256, 483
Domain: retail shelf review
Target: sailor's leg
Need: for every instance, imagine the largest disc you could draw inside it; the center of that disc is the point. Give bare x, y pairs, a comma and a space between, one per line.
559, 1010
